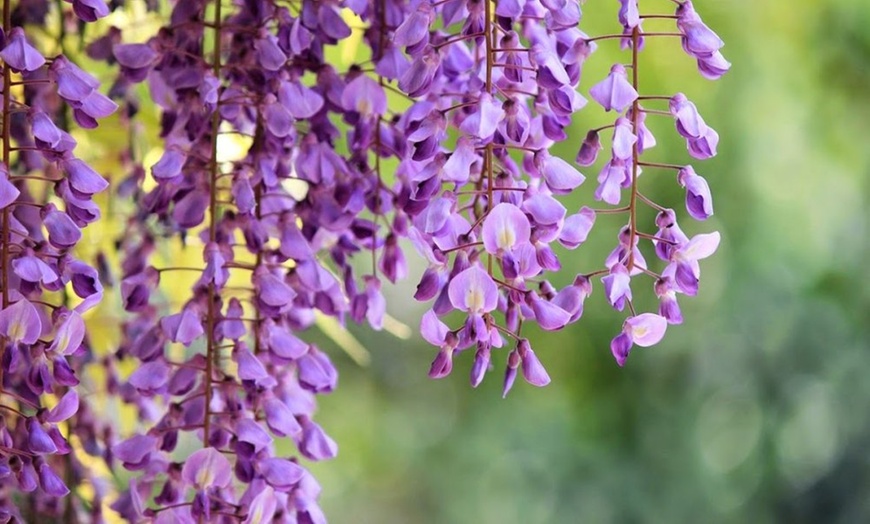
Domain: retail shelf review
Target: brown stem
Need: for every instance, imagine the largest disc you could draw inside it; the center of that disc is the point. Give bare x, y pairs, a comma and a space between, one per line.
489, 39
635, 125
212, 232
6, 240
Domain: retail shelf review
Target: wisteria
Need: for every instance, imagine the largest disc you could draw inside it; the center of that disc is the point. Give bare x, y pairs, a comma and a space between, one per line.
437, 143
46, 196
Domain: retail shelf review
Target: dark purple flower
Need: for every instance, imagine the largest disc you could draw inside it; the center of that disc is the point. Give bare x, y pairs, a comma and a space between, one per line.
50, 482
699, 201
589, 150
89, 10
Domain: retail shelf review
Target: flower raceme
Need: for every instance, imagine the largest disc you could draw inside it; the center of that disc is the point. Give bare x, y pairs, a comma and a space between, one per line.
45, 289
498, 218
479, 93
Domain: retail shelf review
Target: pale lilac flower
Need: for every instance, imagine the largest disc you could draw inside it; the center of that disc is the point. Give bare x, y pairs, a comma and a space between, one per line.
207, 468
614, 92
686, 258
698, 40
20, 323
473, 291
504, 228
646, 329
617, 286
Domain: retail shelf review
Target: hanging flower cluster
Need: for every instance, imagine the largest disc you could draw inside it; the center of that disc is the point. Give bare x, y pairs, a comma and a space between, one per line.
457, 165
228, 366
46, 196
503, 77
620, 174
505, 82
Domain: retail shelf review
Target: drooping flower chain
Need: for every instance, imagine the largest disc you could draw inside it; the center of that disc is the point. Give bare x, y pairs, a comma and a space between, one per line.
630, 139
42, 333
498, 218
262, 282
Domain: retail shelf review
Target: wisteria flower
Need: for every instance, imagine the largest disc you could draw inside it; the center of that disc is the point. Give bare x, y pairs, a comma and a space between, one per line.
644, 330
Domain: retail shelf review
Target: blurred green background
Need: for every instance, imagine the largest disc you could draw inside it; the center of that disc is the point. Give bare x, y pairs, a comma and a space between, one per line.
757, 409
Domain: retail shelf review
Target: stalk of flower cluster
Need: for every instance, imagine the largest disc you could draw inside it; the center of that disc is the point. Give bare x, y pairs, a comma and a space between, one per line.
211, 355
41, 331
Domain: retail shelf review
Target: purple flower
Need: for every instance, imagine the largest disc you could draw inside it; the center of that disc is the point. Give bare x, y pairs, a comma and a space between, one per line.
48, 136
135, 60
504, 228
689, 122
480, 365
560, 176
705, 146
62, 231
589, 149
20, 323
18, 54
315, 443
686, 258
699, 201
364, 96
713, 67
136, 450
183, 327
280, 419
207, 468
623, 139
89, 10
698, 40
415, 27
8, 192
482, 122
281, 474
533, 371
70, 333
65, 408
576, 228
549, 316
83, 180
31, 268
614, 92
669, 308
473, 291
150, 377
417, 79
646, 329
611, 180
617, 286
262, 508
50, 482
